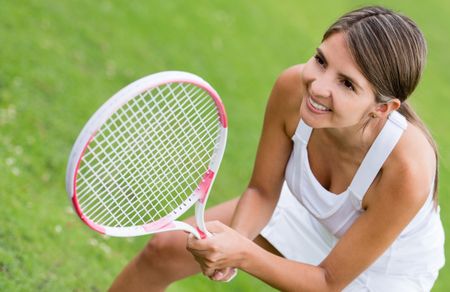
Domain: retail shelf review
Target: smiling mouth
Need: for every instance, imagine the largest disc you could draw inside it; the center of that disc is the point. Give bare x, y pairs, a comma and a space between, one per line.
317, 106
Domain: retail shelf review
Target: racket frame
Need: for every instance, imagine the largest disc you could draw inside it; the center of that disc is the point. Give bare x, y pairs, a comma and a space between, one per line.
198, 197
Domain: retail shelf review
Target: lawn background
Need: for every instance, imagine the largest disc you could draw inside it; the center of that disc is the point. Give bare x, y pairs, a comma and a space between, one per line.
60, 60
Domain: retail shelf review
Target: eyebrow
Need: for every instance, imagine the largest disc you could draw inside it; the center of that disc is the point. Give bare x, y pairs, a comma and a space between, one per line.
343, 76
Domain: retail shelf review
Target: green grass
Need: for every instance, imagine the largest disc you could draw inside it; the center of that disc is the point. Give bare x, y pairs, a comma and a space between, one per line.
60, 60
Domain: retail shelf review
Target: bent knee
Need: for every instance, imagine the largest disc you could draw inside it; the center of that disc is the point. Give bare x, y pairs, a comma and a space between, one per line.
165, 245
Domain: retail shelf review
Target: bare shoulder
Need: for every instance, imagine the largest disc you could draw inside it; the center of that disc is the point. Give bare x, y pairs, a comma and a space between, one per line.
288, 85
289, 76
414, 153
286, 97
275, 144
410, 168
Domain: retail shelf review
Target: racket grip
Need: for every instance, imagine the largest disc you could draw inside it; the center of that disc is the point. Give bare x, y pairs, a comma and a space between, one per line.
204, 235
233, 276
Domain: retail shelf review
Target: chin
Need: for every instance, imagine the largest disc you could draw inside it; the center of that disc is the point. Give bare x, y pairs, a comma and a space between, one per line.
314, 121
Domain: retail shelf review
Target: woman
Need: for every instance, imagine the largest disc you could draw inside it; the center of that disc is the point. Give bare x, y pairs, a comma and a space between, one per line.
358, 210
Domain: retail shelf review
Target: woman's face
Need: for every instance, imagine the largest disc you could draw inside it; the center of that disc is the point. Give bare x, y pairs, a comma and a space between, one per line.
337, 94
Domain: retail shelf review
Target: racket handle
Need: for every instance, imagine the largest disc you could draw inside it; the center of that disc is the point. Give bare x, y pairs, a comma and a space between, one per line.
235, 271
206, 234
234, 274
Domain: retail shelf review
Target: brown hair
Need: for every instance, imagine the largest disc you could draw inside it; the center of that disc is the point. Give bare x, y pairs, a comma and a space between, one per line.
391, 52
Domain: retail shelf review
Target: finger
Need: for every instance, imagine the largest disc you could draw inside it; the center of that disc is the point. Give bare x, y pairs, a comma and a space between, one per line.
208, 272
198, 248
225, 275
218, 275
203, 246
194, 244
191, 237
231, 275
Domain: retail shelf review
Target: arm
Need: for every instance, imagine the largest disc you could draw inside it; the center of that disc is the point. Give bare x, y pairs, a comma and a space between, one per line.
367, 239
257, 203
400, 192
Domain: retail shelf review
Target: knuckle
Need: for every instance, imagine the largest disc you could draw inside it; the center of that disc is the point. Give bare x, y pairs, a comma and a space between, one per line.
214, 248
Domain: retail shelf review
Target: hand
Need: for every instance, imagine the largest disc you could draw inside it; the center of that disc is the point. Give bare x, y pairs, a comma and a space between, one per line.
225, 275
216, 254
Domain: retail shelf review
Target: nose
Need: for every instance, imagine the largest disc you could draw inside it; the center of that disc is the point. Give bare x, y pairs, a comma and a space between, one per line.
321, 87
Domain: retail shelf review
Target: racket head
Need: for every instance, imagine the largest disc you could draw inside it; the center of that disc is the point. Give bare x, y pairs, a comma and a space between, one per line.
127, 198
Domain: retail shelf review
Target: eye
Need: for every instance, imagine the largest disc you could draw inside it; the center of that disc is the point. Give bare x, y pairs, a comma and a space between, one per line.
348, 84
319, 60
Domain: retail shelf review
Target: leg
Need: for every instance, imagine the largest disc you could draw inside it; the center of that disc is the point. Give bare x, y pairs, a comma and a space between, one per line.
165, 259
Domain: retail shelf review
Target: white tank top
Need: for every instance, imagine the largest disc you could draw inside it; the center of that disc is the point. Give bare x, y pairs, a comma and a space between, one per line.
418, 248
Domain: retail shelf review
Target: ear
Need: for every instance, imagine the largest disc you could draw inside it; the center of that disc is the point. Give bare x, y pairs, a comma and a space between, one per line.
385, 109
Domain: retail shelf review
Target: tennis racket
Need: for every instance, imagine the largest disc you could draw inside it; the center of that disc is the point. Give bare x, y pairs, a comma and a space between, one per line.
150, 153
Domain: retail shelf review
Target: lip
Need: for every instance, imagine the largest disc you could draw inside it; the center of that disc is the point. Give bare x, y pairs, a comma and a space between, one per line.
312, 108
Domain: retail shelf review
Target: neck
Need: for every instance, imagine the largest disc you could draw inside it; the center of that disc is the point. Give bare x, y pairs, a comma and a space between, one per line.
355, 138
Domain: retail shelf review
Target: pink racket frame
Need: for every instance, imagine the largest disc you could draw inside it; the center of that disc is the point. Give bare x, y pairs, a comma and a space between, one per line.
198, 197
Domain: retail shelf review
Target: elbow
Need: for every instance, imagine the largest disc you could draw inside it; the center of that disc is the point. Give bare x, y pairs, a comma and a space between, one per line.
322, 281
329, 282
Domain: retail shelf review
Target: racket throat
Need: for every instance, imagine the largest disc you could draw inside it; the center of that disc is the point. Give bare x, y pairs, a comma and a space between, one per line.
204, 185
201, 233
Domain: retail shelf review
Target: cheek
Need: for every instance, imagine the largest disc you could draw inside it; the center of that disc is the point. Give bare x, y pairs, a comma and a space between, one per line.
347, 109
359, 111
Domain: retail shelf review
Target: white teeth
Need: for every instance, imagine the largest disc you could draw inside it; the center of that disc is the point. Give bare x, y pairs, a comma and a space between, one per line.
318, 106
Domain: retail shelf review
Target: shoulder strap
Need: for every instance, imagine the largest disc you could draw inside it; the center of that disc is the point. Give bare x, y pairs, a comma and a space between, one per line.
303, 132
377, 154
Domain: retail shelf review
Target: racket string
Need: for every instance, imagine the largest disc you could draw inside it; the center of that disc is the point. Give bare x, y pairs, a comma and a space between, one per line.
185, 172
102, 203
184, 175
93, 151
188, 118
135, 146
186, 154
122, 133
156, 148
124, 151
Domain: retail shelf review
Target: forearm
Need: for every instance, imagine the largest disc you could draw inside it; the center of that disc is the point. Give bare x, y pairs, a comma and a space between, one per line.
253, 212
283, 274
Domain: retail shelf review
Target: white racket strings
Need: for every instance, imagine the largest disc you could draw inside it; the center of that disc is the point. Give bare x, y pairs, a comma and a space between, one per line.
149, 156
